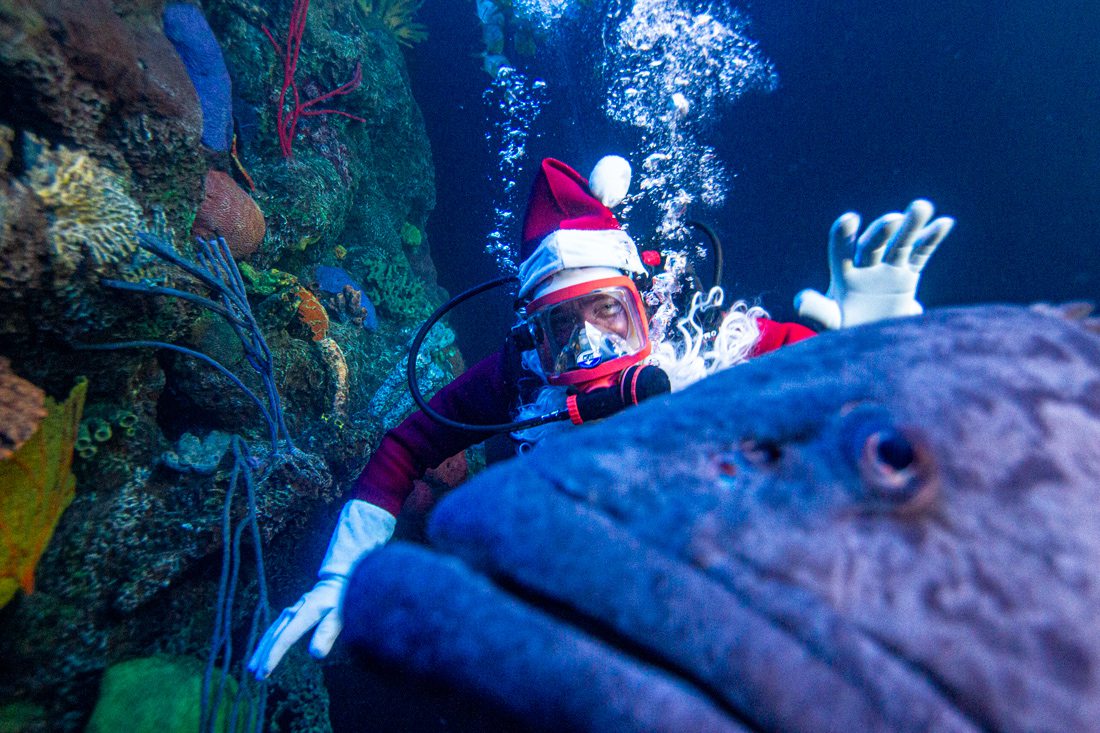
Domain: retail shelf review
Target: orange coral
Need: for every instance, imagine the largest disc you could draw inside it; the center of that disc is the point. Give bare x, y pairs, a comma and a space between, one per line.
36, 486
312, 314
227, 211
452, 471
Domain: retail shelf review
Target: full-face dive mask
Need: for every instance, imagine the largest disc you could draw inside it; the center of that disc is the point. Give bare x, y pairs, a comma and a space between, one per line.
564, 357
592, 334
586, 331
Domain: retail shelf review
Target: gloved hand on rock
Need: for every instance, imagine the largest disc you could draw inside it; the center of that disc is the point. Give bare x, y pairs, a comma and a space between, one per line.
361, 528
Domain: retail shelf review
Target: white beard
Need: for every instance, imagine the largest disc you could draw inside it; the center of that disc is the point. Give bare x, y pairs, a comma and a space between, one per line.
690, 357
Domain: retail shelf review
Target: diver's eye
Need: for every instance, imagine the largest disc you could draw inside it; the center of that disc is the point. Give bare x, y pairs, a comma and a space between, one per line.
894, 471
607, 309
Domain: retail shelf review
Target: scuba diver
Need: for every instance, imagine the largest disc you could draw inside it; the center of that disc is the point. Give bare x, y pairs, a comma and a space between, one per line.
582, 350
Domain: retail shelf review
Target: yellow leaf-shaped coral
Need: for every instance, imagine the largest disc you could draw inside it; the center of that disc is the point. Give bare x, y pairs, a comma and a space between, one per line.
36, 486
397, 16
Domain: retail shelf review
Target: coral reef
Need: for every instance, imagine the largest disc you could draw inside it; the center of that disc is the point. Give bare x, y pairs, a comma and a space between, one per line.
299, 700
287, 119
36, 486
397, 16
334, 279
228, 212
411, 236
159, 694
201, 456
392, 401
312, 314
344, 297
94, 221
95, 429
391, 283
102, 81
22, 717
351, 306
22, 409
267, 282
104, 132
137, 548
338, 377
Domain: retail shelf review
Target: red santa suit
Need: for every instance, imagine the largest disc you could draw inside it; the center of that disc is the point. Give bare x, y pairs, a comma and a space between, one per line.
486, 394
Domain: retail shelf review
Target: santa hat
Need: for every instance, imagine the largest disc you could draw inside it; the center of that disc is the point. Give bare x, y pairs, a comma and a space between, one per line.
568, 224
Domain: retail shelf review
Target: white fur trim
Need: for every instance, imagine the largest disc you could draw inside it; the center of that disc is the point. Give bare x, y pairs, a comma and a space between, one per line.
610, 180
574, 276
566, 249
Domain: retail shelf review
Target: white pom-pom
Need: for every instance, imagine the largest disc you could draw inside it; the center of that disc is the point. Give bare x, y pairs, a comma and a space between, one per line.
610, 180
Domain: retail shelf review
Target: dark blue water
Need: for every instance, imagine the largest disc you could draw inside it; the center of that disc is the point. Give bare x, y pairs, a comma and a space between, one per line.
991, 110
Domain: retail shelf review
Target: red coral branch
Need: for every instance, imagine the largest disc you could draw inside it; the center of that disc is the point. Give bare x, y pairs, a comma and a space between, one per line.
286, 120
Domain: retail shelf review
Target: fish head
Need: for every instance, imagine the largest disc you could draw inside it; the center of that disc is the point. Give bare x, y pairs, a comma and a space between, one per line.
891, 527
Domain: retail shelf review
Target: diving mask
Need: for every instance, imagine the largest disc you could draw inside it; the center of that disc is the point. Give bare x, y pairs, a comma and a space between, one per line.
589, 330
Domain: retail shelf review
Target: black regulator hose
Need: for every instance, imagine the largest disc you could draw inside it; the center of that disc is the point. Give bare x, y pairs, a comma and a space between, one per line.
414, 387
715, 248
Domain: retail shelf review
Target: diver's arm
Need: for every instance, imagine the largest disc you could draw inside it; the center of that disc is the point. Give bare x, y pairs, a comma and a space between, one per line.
774, 334
479, 396
482, 395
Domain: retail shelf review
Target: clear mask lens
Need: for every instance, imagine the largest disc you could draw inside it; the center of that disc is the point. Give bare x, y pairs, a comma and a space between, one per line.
588, 330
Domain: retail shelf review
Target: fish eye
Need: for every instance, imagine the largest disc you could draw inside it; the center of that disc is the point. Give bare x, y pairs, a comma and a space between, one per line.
894, 469
761, 452
892, 449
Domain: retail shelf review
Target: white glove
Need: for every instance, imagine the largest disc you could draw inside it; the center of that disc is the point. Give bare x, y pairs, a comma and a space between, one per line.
876, 276
361, 528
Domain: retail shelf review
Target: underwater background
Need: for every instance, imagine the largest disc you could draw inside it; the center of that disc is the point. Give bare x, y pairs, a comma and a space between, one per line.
137, 481
990, 110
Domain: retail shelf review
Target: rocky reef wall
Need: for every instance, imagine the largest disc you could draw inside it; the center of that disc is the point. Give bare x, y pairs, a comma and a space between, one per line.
287, 129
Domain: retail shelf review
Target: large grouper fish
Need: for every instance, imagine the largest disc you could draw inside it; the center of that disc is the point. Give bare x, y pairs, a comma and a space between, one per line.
889, 528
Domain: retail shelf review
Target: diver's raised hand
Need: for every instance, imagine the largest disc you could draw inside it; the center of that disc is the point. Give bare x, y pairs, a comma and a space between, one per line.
875, 276
361, 528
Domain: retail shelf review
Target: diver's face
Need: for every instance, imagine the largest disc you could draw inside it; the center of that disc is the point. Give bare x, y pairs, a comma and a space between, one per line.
601, 310
586, 331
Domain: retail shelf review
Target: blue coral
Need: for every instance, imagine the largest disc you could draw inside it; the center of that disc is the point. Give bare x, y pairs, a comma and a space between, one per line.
187, 29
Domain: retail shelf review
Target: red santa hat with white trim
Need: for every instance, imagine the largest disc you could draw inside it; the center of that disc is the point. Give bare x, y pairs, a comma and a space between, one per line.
569, 227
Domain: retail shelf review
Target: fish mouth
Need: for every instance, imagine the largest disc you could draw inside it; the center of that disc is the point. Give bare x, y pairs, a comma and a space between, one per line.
554, 611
